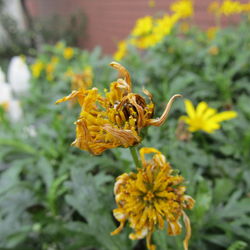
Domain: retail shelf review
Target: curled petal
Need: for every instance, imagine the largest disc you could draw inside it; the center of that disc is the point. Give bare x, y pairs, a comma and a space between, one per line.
144, 151
150, 246
174, 228
139, 234
159, 121
119, 229
126, 137
71, 96
123, 72
188, 230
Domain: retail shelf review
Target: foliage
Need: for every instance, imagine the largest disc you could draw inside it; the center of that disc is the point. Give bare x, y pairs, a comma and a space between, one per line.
54, 196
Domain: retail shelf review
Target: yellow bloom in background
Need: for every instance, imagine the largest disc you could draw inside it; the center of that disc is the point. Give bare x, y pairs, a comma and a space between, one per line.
150, 197
121, 51
116, 119
159, 28
214, 7
151, 3
229, 7
82, 80
59, 45
50, 68
183, 8
211, 32
245, 7
184, 27
205, 118
68, 53
213, 51
143, 26
37, 68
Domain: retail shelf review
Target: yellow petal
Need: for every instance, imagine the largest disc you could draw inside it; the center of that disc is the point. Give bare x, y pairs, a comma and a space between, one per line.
188, 230
201, 107
223, 116
189, 108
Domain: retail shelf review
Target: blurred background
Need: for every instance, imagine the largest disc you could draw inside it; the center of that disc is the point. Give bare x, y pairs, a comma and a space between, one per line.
54, 196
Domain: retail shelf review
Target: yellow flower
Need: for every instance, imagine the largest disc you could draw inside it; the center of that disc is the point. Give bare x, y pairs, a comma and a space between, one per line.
68, 53
59, 45
160, 28
116, 119
83, 80
143, 26
183, 8
121, 51
214, 7
151, 196
205, 118
245, 7
151, 3
50, 68
229, 7
226, 8
213, 51
37, 68
211, 32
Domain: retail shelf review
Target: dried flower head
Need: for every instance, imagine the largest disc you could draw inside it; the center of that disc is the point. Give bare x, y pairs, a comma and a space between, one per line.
150, 197
116, 119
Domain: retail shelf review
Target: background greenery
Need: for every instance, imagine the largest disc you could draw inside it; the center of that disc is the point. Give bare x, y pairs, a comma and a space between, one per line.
54, 196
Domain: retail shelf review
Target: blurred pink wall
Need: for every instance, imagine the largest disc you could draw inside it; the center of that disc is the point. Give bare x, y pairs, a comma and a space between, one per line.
109, 21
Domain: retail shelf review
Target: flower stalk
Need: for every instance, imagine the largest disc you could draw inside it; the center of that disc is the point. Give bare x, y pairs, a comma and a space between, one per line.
134, 154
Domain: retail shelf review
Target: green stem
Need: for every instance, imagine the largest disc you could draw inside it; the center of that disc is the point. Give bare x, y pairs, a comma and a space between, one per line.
134, 154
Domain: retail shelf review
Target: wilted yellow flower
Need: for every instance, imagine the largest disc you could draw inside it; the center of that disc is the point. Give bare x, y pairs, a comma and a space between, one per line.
183, 8
37, 68
121, 51
143, 26
205, 118
68, 53
116, 119
150, 197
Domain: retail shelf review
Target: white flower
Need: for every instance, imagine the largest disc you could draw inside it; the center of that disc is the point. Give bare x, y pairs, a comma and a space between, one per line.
15, 111
11, 106
5, 93
18, 75
2, 76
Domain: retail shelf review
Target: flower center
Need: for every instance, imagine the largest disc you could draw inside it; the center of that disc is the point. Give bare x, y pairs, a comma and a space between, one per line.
149, 196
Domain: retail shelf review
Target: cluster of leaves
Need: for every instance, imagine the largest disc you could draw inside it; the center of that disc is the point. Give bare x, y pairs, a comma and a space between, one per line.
54, 196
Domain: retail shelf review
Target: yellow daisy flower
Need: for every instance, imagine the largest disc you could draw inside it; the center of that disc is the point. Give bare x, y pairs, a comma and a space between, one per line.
116, 119
121, 51
183, 8
151, 196
204, 118
37, 68
68, 53
143, 26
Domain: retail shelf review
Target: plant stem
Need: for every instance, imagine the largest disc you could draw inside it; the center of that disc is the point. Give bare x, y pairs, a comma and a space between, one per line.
134, 154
